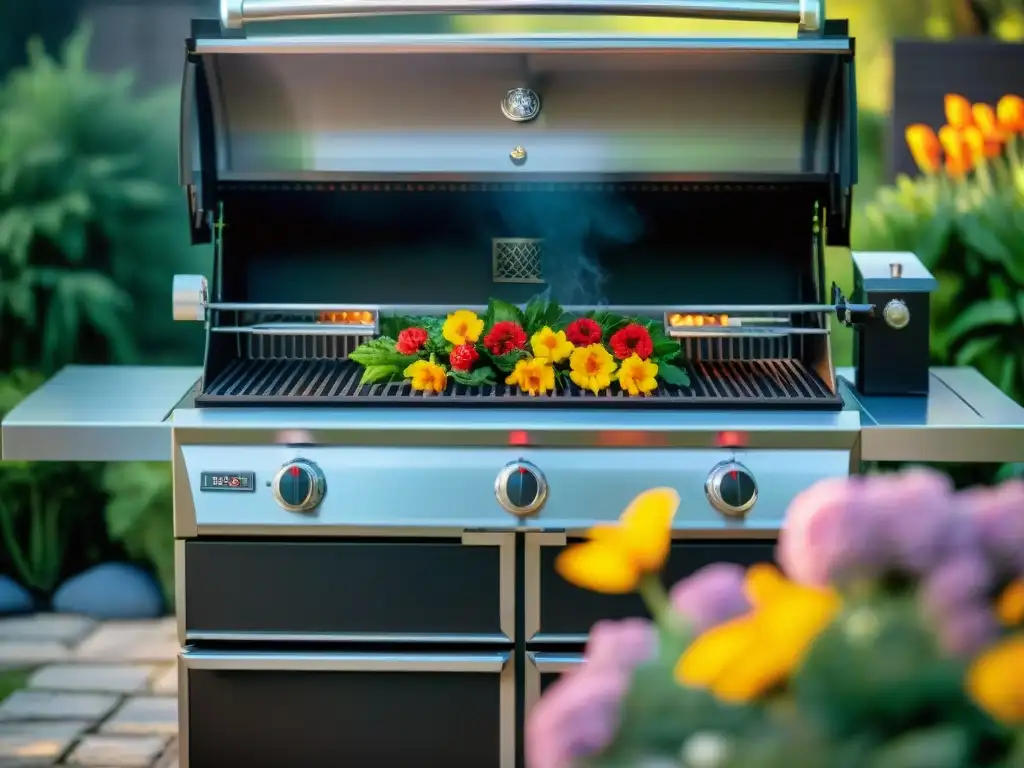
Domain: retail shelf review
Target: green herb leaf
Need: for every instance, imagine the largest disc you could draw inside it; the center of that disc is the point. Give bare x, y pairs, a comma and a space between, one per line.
980, 315
672, 375
666, 349
982, 237
475, 378
508, 361
380, 351
375, 374
610, 323
499, 311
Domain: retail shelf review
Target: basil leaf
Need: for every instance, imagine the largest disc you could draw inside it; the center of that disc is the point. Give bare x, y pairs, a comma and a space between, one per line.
375, 374
380, 351
673, 375
499, 311
507, 362
474, 378
667, 349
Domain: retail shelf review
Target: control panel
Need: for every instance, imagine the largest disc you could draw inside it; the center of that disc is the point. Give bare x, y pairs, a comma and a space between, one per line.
298, 486
731, 489
521, 488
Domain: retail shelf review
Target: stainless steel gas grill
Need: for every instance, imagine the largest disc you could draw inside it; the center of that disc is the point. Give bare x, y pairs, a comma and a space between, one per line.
365, 573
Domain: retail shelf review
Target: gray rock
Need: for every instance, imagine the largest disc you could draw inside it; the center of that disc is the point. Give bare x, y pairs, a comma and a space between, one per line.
14, 598
111, 591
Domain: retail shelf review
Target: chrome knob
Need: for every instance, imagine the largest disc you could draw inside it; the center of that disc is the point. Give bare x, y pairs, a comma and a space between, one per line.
896, 315
299, 486
521, 488
731, 489
189, 297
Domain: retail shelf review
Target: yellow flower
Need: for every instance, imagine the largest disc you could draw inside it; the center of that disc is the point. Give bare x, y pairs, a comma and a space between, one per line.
750, 655
535, 377
462, 327
425, 376
958, 152
591, 367
924, 147
958, 111
1010, 605
637, 376
1010, 114
617, 556
551, 345
996, 683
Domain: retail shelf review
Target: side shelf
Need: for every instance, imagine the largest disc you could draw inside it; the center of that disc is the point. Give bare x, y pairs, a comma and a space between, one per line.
98, 413
964, 418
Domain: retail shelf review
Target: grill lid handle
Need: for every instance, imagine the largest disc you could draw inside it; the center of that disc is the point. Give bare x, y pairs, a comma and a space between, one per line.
808, 14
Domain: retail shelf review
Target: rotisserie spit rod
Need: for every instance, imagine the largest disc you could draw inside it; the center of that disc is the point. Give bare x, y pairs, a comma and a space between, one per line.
808, 14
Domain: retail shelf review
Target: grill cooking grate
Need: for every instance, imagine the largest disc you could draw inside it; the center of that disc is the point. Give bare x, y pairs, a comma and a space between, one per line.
732, 384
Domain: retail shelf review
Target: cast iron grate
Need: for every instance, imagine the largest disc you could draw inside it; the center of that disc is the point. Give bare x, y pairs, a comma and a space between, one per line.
730, 384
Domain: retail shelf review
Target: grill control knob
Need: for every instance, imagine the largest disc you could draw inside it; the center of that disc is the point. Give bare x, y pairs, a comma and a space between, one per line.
299, 486
521, 488
731, 489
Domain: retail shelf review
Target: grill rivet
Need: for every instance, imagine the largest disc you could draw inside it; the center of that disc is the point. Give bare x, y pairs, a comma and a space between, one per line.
518, 155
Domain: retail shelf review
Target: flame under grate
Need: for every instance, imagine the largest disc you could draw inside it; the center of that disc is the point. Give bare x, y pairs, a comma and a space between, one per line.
727, 384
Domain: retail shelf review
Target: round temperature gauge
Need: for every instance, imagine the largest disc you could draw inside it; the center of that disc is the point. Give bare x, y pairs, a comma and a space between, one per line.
299, 486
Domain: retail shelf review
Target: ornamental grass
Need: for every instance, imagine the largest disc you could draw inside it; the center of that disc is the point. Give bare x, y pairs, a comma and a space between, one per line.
890, 634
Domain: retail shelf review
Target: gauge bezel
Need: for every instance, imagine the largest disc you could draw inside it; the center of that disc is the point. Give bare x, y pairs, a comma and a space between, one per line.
501, 489
713, 489
317, 486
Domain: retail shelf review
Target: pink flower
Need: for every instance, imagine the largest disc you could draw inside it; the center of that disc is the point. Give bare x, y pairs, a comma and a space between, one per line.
578, 715
997, 517
969, 631
621, 645
866, 526
961, 582
711, 596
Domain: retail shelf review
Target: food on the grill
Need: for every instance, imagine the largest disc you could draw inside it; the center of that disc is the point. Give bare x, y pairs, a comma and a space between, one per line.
537, 350
351, 317
698, 321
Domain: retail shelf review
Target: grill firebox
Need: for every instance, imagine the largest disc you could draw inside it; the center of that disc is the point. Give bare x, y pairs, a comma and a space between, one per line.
730, 383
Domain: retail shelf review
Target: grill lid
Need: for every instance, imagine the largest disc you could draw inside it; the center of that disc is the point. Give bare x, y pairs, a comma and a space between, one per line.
288, 101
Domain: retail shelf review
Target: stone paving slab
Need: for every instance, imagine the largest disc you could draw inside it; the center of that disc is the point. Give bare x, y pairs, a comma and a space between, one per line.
104, 750
96, 678
145, 715
56, 705
37, 743
166, 682
51, 627
129, 642
16, 654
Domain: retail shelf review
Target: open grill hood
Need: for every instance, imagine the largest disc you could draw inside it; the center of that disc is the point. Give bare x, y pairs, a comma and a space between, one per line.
276, 103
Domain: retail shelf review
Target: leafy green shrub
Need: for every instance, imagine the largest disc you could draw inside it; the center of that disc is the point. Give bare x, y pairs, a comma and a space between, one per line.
92, 227
43, 507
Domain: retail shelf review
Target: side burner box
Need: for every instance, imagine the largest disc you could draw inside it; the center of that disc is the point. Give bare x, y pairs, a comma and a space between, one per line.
389, 174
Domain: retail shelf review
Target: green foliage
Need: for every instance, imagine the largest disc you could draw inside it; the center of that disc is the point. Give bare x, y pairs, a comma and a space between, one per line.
90, 219
42, 506
140, 516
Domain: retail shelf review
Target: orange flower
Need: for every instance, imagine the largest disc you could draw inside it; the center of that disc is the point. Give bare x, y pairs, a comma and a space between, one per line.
1010, 114
995, 682
924, 147
958, 151
985, 119
958, 111
1010, 605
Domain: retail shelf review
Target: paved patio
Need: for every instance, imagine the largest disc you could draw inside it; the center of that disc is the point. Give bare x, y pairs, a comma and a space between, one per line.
100, 694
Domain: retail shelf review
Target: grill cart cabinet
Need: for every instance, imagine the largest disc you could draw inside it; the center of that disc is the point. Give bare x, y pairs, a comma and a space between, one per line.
366, 574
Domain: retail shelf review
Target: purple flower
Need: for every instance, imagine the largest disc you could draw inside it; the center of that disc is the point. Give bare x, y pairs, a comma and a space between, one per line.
864, 526
579, 714
997, 517
711, 596
960, 583
968, 631
622, 645
576, 717
825, 534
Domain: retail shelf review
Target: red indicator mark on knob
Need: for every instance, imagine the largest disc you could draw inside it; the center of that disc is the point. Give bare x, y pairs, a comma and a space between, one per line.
734, 474
295, 471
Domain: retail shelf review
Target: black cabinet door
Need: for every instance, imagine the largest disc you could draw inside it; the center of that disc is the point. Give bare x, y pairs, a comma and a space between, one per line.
322, 710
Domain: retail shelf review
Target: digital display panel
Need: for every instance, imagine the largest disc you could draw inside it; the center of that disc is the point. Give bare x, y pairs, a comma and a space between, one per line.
227, 481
